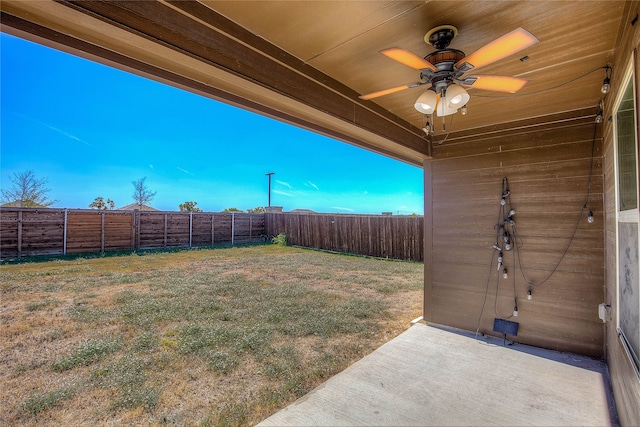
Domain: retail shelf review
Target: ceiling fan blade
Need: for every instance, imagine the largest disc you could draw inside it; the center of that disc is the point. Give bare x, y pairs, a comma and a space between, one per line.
507, 45
407, 58
388, 91
496, 83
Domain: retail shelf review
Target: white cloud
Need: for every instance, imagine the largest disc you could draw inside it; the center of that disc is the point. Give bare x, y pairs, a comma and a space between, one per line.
60, 131
343, 209
311, 184
286, 184
184, 170
284, 193
151, 166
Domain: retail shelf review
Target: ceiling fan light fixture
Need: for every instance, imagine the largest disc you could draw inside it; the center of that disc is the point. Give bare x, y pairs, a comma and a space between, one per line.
426, 103
443, 108
456, 96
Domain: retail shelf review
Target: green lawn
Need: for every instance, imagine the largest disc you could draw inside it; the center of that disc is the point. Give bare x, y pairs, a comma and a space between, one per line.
201, 337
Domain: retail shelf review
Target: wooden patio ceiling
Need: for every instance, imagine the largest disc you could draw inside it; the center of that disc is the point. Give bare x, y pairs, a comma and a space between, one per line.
306, 62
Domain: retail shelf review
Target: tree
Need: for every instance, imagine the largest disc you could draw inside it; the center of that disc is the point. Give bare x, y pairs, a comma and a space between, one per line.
141, 194
232, 210
189, 207
257, 210
28, 191
100, 204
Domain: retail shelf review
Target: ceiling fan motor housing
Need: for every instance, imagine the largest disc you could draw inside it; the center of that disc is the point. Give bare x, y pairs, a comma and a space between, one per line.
444, 60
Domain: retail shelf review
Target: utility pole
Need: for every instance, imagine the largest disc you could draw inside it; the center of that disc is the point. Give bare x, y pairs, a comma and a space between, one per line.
269, 175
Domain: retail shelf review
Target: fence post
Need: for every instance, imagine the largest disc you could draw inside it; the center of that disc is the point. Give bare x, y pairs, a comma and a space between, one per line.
20, 233
370, 251
213, 220
102, 233
190, 228
165, 230
233, 224
133, 231
138, 224
64, 241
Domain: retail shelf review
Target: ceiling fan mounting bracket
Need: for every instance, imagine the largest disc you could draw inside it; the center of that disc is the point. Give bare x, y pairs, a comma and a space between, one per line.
440, 37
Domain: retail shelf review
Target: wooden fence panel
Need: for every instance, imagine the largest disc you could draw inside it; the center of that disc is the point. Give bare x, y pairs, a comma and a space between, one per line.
42, 232
202, 229
398, 237
222, 227
84, 232
117, 231
151, 231
28, 231
178, 230
10, 222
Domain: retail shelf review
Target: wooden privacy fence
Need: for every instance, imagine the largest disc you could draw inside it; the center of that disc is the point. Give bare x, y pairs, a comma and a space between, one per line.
29, 232
397, 237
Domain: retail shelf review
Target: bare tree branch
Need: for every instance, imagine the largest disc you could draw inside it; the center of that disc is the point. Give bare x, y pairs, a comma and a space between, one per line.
141, 194
28, 191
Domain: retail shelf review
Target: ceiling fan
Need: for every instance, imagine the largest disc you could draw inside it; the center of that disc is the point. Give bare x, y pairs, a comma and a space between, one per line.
444, 69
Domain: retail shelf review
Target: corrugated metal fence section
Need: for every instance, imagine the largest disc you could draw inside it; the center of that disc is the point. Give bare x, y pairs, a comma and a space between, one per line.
397, 237
28, 232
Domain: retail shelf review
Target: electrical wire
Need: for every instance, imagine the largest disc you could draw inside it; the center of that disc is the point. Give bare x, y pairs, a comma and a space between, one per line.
529, 94
448, 133
486, 293
505, 192
575, 230
502, 223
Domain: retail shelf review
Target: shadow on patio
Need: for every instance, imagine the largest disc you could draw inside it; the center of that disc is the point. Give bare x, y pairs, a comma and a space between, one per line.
432, 376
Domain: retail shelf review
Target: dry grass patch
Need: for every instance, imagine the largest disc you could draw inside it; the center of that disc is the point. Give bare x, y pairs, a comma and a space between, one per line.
204, 337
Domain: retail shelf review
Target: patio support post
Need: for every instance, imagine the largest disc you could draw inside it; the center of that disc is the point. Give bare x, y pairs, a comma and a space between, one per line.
428, 240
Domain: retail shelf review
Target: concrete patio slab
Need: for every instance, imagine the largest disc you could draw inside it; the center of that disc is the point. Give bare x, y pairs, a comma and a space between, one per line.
431, 376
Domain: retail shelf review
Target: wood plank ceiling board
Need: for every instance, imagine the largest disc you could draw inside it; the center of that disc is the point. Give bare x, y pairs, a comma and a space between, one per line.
306, 62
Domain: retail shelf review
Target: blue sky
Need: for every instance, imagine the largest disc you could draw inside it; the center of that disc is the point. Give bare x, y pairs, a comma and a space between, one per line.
91, 130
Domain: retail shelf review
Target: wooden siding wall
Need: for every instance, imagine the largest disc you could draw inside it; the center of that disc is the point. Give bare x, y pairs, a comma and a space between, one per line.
28, 232
396, 237
547, 165
626, 385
